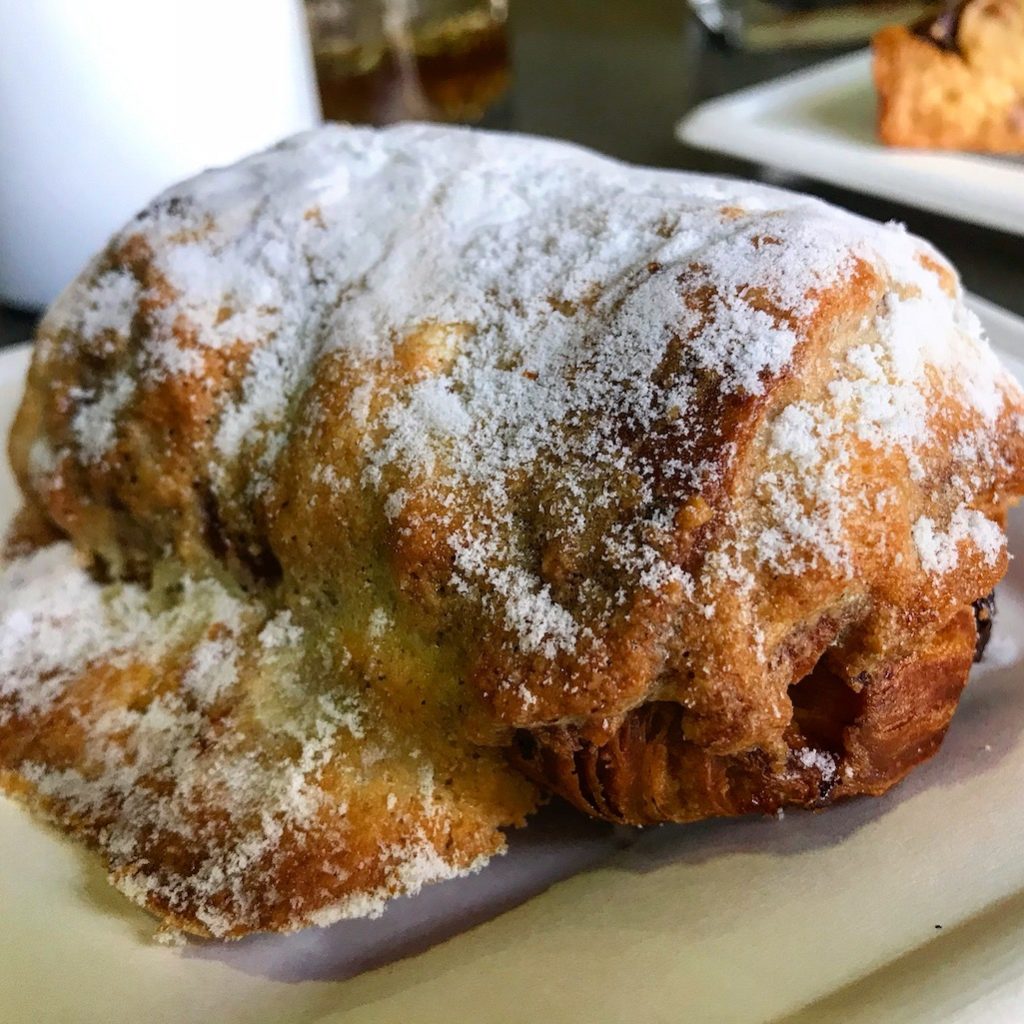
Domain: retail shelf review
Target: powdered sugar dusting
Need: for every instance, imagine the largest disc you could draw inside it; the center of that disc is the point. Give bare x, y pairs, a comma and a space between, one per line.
55, 621
160, 766
94, 422
556, 321
822, 761
939, 550
412, 870
112, 302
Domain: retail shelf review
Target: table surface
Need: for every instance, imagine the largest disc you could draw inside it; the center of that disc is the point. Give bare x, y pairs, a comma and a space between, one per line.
617, 76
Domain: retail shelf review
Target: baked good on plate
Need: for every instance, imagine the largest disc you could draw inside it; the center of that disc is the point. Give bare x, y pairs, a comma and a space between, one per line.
383, 471
955, 79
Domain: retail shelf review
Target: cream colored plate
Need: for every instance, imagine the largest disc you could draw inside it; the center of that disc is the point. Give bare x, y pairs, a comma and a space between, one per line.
820, 123
814, 918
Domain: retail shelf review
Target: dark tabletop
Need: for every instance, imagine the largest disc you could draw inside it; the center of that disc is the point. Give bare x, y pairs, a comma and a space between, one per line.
618, 75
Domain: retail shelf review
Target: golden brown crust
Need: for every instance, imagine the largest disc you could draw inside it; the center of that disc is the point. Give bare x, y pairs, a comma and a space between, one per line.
965, 92
842, 742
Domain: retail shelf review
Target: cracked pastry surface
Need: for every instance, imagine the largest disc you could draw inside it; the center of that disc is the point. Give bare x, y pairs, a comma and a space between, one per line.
671, 493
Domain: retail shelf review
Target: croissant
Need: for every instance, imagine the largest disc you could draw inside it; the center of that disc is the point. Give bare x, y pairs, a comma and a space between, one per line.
386, 482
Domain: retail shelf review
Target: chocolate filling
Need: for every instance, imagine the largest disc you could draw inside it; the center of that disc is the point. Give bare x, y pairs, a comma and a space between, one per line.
942, 29
984, 613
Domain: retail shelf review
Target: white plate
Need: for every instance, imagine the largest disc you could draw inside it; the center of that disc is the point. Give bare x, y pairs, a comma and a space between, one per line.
820, 123
811, 919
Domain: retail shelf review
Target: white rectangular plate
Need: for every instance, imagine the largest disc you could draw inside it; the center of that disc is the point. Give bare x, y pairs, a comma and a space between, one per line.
812, 918
820, 123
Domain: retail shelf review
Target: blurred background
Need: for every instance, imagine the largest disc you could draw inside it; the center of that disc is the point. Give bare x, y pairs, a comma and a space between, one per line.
104, 102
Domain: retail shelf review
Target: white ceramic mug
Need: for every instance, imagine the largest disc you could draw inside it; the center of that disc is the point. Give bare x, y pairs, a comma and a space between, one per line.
103, 103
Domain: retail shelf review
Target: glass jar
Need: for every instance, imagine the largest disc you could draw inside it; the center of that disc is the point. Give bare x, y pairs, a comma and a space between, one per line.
379, 61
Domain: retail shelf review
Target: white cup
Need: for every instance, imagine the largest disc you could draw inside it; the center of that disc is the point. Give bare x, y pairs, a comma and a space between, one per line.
103, 103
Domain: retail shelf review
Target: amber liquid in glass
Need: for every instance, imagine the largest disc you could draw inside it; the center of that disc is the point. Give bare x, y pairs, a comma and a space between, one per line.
452, 70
